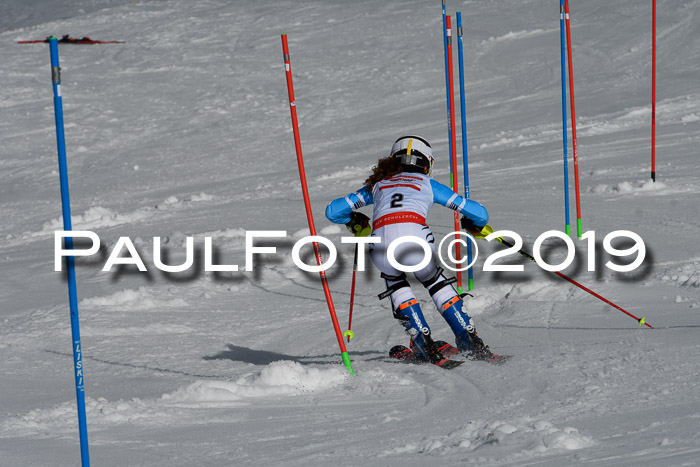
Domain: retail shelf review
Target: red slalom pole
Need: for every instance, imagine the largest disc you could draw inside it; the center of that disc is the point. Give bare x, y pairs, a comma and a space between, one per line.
453, 142
579, 229
567, 278
653, 92
580, 286
307, 204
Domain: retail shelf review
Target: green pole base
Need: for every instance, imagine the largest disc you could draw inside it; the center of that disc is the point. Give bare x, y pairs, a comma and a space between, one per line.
470, 284
348, 364
460, 290
567, 230
579, 229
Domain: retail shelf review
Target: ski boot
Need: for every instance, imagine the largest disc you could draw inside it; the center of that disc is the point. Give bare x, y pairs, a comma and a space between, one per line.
431, 348
412, 319
465, 334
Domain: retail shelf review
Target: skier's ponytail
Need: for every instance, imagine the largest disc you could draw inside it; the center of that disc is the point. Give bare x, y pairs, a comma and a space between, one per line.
385, 168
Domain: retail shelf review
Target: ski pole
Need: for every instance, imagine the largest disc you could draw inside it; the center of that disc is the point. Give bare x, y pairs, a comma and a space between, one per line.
641, 321
465, 155
562, 37
349, 334
70, 260
579, 228
307, 204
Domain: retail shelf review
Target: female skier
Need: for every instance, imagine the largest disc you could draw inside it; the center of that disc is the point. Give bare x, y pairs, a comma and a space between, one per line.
402, 191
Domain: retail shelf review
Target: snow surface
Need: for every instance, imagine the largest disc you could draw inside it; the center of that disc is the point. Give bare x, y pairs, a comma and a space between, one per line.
185, 131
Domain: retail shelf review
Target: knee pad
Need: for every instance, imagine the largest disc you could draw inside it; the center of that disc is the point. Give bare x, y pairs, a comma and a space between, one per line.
440, 288
393, 283
398, 288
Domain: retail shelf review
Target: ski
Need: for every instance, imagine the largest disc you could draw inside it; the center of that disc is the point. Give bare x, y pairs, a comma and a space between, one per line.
403, 353
66, 39
448, 350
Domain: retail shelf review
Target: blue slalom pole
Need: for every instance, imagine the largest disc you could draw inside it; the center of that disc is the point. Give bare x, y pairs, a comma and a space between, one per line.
70, 260
465, 154
447, 89
567, 226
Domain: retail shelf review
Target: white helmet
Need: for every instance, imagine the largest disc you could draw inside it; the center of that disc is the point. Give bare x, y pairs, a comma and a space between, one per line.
415, 153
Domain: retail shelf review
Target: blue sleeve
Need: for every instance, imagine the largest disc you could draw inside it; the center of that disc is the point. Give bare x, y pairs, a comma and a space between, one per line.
448, 198
338, 211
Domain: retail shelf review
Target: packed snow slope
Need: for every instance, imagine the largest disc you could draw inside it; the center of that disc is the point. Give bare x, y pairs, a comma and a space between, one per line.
184, 131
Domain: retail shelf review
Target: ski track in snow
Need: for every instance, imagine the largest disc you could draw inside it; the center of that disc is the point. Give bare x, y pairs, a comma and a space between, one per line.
184, 132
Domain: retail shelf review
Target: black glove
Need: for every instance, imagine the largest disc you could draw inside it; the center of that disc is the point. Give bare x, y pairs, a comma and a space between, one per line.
468, 225
359, 225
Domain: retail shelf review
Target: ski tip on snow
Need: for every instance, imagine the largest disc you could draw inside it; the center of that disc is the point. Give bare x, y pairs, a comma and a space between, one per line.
494, 359
448, 364
449, 350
